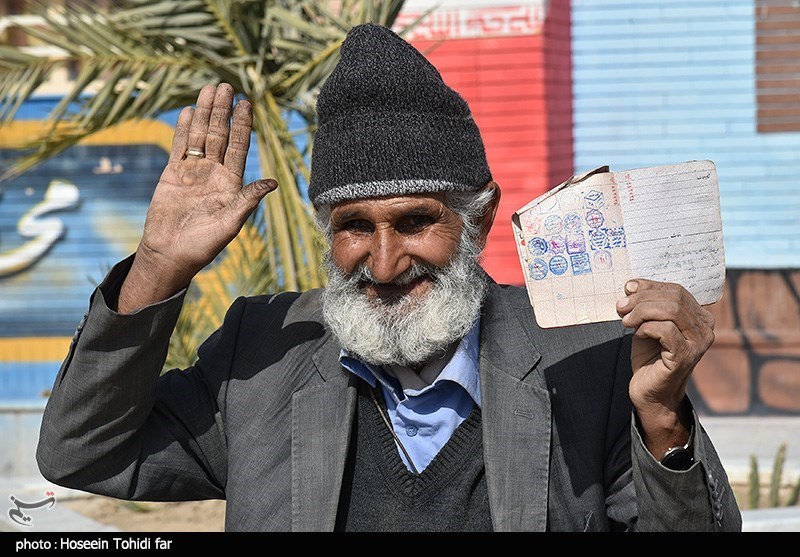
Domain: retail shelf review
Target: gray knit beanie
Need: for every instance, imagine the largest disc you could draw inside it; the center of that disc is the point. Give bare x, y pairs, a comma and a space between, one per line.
388, 125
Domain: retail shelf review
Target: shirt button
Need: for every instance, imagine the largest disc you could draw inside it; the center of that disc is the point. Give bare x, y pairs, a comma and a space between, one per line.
411, 430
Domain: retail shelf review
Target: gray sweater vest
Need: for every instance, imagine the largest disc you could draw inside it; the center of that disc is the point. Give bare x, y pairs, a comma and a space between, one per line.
379, 494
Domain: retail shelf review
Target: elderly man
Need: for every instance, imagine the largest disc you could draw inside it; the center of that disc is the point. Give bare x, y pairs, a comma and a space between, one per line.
412, 393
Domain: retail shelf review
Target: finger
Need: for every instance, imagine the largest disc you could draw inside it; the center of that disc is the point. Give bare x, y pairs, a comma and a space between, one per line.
688, 320
638, 311
651, 289
639, 290
708, 317
676, 351
219, 123
251, 194
648, 287
258, 189
239, 139
202, 113
625, 305
665, 332
181, 137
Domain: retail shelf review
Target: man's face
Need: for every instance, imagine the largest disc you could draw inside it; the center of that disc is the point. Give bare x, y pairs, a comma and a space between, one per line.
389, 235
404, 281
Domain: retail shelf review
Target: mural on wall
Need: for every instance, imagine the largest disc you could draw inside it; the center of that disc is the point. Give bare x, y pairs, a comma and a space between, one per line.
753, 368
40, 233
63, 224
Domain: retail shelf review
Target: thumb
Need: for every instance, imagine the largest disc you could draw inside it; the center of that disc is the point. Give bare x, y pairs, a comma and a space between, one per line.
254, 192
259, 188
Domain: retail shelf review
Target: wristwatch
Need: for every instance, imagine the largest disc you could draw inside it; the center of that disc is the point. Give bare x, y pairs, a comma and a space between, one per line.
680, 457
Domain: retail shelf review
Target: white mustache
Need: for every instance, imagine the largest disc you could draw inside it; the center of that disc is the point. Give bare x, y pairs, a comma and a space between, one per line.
363, 275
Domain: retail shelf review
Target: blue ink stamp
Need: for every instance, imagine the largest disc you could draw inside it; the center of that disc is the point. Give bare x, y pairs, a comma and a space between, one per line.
576, 243
537, 246
598, 239
593, 199
617, 237
573, 222
558, 265
594, 218
557, 244
537, 269
580, 263
553, 224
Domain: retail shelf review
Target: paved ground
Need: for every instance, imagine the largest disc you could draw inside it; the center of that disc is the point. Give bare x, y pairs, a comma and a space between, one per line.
736, 440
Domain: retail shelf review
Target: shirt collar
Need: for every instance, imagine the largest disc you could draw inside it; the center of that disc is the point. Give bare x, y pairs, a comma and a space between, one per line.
461, 369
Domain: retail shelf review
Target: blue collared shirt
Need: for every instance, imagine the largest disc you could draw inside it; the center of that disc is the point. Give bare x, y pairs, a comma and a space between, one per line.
425, 419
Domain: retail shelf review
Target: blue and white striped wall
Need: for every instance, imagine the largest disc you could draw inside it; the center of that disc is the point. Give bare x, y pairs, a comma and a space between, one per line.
657, 82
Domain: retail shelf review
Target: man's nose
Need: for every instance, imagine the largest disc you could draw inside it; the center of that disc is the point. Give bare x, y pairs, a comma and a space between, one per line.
388, 257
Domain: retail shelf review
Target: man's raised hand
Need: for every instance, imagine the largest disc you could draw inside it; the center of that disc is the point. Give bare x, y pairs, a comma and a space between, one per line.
199, 204
672, 332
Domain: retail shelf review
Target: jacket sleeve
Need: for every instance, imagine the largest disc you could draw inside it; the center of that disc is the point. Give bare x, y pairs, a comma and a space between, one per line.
115, 426
698, 499
646, 496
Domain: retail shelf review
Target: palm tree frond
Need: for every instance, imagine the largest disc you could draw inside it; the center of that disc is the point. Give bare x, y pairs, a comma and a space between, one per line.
17, 84
140, 58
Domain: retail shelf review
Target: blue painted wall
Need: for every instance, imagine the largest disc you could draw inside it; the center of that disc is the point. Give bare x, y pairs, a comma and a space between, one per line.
658, 82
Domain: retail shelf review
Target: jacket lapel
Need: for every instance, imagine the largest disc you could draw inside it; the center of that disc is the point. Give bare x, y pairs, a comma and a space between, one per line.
516, 418
516, 427
322, 418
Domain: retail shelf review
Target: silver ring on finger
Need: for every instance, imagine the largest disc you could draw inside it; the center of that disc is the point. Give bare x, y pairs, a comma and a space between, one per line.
191, 152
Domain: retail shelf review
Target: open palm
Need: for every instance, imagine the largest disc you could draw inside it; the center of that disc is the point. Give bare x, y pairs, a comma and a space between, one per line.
199, 204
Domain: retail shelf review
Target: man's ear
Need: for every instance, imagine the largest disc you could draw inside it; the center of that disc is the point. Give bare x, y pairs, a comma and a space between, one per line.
488, 217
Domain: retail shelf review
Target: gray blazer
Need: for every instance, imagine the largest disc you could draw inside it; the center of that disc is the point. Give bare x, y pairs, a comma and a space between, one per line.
264, 418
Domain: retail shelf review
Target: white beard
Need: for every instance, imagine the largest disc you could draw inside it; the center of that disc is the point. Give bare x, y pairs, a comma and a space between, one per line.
407, 331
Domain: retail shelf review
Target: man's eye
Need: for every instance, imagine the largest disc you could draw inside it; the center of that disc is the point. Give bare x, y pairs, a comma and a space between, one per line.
356, 225
415, 223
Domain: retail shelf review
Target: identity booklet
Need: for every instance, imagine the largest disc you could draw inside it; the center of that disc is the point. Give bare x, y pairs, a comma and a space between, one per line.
580, 242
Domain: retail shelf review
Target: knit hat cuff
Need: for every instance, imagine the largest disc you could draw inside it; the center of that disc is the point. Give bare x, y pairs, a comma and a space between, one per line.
386, 188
